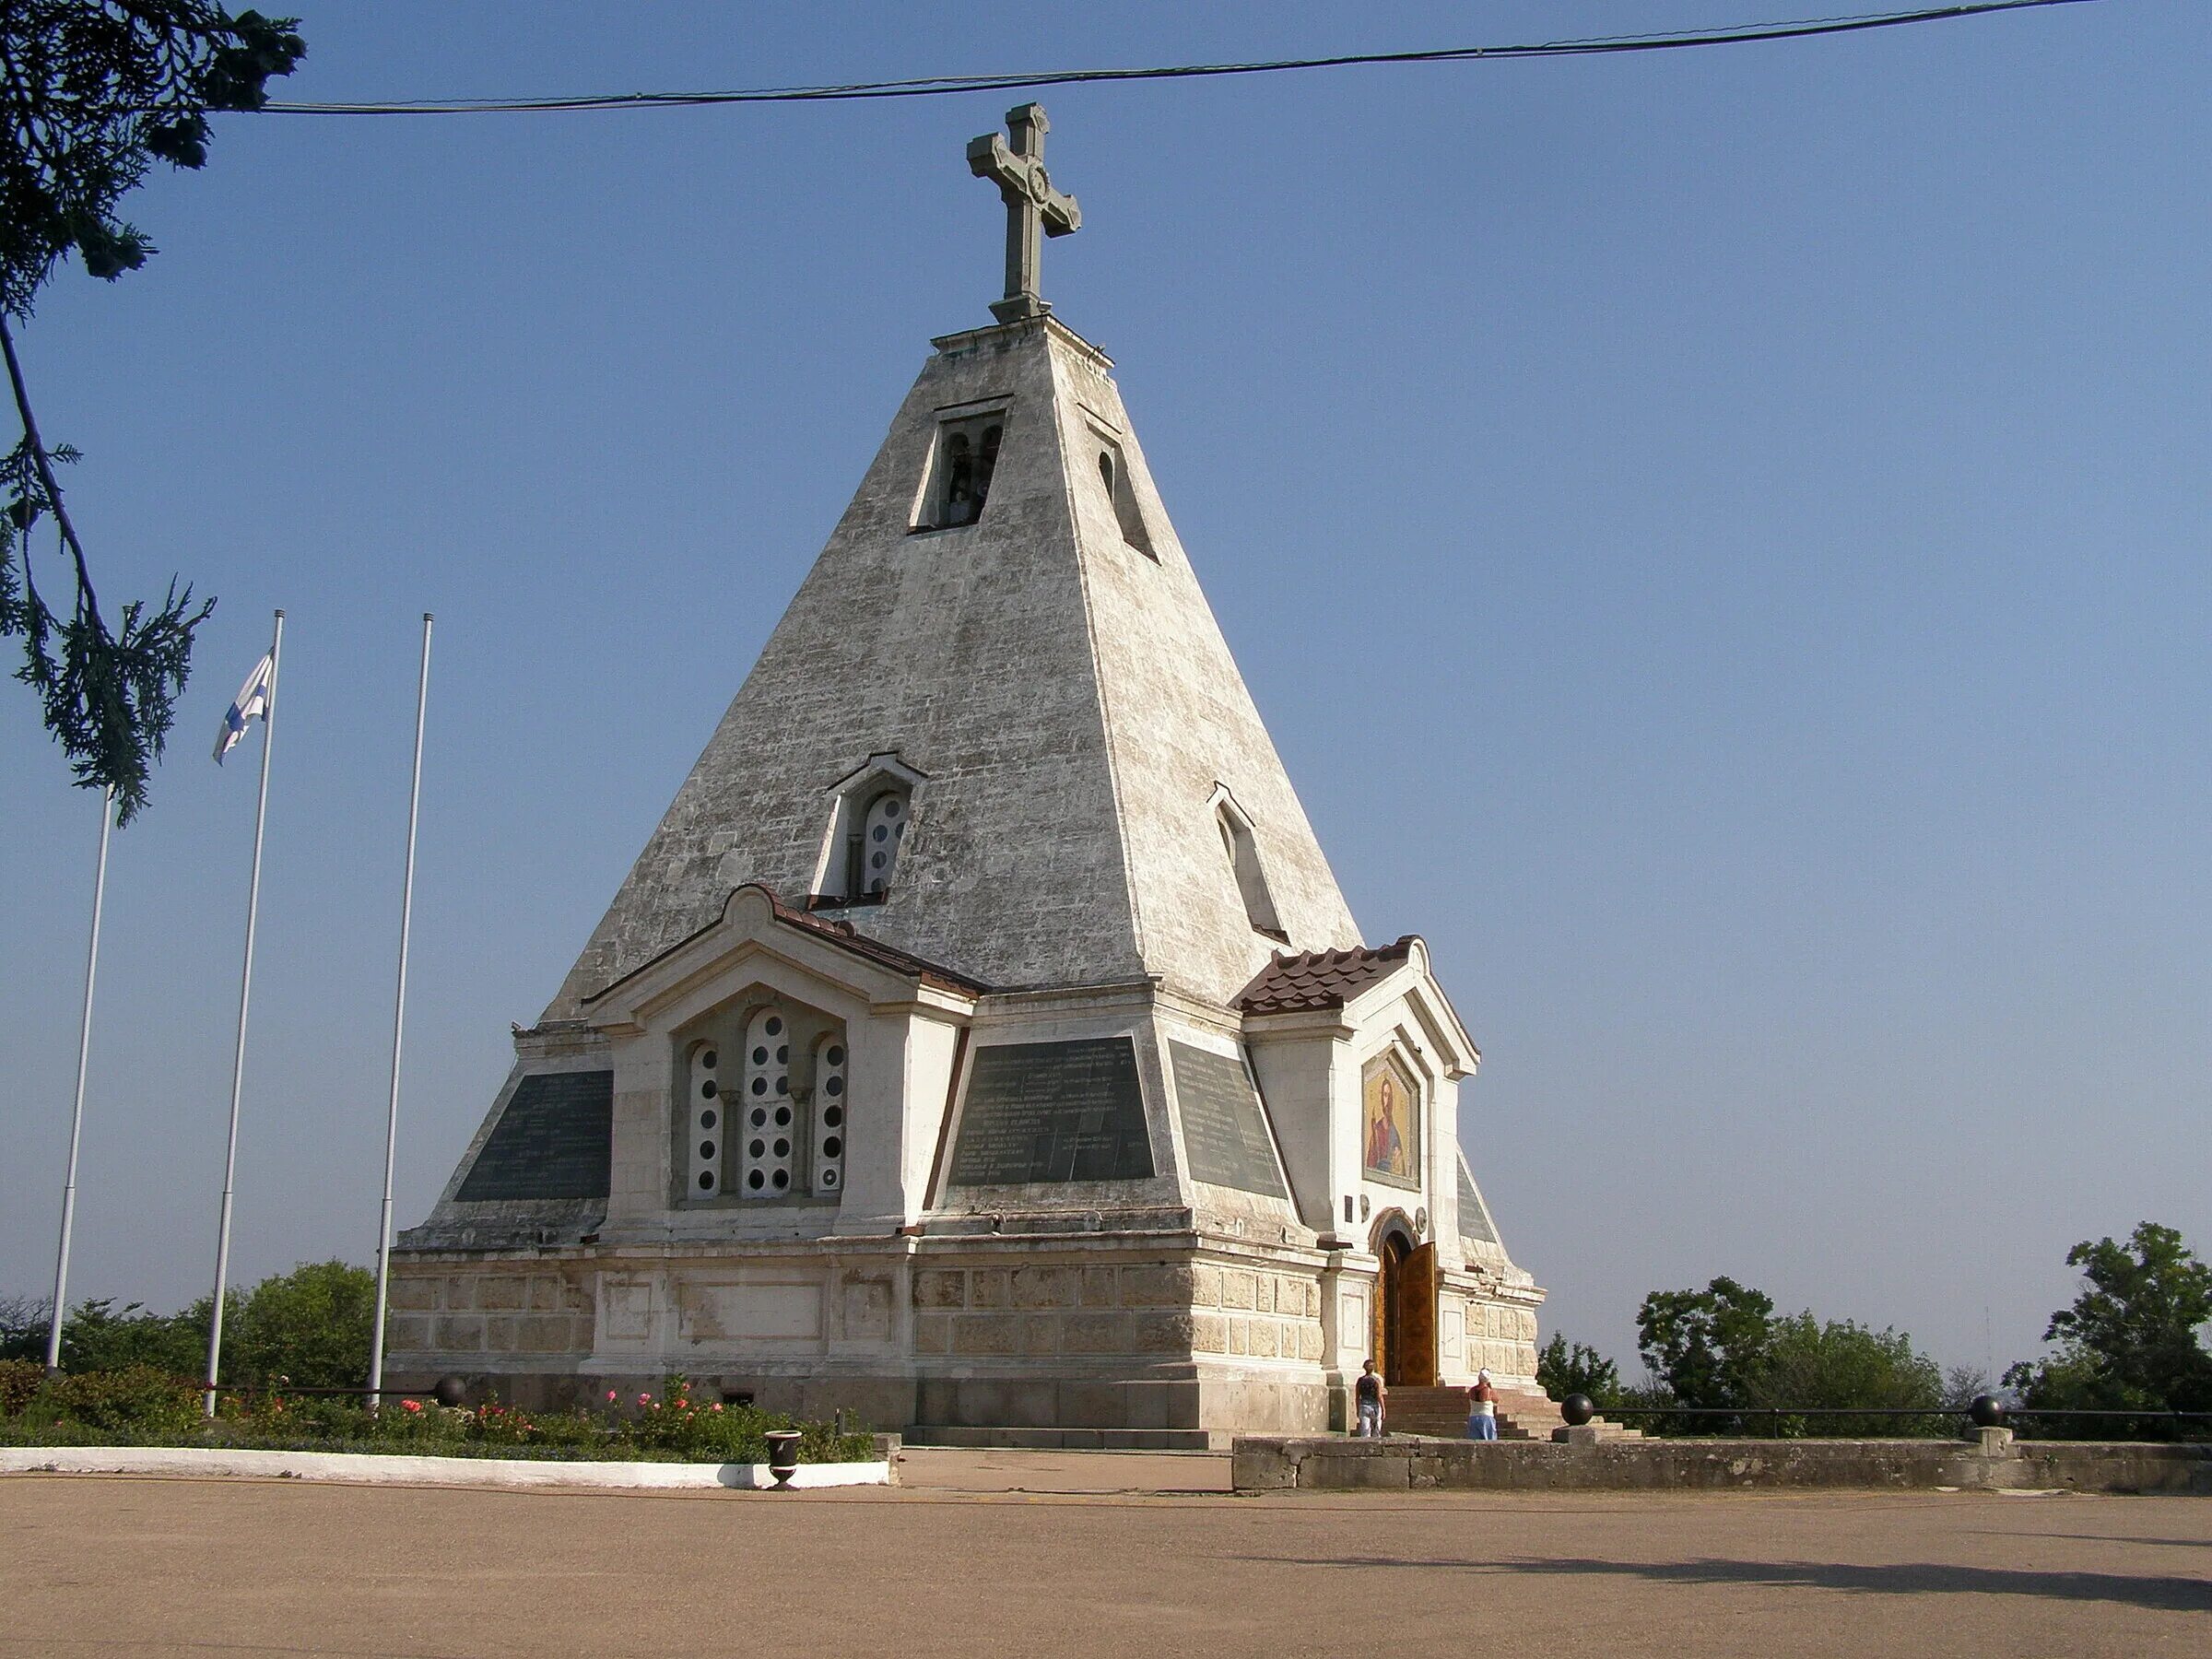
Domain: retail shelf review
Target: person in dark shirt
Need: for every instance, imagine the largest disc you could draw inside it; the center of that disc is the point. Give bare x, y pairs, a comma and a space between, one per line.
1367, 1395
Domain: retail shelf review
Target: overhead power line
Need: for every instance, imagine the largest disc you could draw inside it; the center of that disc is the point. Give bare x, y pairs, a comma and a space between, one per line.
940, 85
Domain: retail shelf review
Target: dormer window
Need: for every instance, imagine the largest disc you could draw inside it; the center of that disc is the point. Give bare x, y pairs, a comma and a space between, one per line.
961, 471
1243, 852
1114, 474
868, 818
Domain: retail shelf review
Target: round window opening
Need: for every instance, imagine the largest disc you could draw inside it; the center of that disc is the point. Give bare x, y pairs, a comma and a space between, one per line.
832, 1145
706, 1119
836, 1055
783, 1117
753, 1180
757, 1148
832, 1116
707, 1088
783, 1148
708, 1060
833, 1086
706, 1182
706, 1148
775, 1026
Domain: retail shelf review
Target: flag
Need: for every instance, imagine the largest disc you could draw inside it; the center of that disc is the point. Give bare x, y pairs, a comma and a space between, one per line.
252, 700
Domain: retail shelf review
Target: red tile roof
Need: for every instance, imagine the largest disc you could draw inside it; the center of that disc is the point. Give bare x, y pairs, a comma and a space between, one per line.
1320, 979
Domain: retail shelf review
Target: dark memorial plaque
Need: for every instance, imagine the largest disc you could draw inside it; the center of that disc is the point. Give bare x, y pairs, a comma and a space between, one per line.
1224, 1128
1053, 1112
1472, 1224
553, 1141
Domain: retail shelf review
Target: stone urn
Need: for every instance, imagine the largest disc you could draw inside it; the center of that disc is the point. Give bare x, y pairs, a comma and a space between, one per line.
783, 1454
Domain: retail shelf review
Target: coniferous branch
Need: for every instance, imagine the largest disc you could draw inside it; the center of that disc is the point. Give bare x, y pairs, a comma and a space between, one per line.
92, 92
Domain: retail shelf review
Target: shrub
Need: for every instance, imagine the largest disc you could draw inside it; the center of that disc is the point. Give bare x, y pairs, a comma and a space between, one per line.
136, 1403
20, 1379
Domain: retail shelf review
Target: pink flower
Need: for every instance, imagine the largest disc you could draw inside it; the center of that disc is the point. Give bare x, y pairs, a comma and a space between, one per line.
610, 1394
412, 1404
644, 1399
717, 1406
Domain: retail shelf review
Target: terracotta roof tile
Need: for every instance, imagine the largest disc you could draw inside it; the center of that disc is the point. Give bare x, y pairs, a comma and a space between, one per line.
1320, 979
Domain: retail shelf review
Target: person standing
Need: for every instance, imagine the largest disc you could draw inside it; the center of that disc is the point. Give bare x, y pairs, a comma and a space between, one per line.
1368, 1396
1482, 1408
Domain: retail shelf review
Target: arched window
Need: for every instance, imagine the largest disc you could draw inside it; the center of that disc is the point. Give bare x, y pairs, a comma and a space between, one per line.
883, 829
769, 1132
960, 481
1114, 474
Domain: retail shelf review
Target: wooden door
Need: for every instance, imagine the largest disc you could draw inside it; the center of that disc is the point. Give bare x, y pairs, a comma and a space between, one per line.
1415, 1356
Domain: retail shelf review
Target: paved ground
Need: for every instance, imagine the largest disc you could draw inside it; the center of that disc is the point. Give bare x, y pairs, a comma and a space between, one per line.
966, 1562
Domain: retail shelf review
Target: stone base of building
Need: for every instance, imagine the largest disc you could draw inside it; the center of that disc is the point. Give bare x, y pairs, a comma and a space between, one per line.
1179, 1338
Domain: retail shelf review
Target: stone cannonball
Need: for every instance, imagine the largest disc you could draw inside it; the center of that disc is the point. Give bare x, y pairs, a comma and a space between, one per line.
1986, 1411
451, 1390
1578, 1409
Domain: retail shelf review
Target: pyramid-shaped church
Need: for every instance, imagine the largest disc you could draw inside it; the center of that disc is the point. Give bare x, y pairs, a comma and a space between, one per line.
981, 1044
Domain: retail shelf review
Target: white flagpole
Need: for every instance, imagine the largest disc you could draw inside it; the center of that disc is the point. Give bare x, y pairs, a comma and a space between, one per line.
399, 1016
245, 991
77, 1118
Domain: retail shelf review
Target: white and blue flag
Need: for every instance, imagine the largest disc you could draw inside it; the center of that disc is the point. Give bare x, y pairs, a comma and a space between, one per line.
252, 700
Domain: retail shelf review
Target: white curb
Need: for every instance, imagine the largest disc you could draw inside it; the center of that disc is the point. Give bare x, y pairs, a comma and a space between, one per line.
377, 1469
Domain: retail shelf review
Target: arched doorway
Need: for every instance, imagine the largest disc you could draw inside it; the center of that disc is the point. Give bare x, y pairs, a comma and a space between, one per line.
1405, 1312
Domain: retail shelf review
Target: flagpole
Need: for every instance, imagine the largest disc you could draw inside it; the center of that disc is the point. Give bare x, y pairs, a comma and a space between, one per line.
399, 1016
77, 1117
245, 991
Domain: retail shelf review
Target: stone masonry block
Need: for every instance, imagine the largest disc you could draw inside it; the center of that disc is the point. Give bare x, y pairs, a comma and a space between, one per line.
932, 1334
1263, 1292
499, 1333
1097, 1288
1090, 1333
1238, 1288
413, 1293
983, 1333
409, 1331
544, 1332
457, 1334
1167, 1286
990, 1288
1309, 1342
1209, 1334
1047, 1288
1206, 1286
1038, 1332
1264, 1338
940, 1287
1163, 1333
1239, 1336
499, 1292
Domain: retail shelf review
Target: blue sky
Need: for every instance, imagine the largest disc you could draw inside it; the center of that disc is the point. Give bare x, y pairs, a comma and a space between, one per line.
1718, 538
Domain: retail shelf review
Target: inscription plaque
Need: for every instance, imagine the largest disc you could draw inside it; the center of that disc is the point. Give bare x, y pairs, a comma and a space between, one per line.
1474, 1223
553, 1141
1053, 1112
1223, 1127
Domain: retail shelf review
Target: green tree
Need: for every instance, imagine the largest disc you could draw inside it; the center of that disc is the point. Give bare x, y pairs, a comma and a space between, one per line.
310, 1327
2130, 1342
1707, 1347
1563, 1368
98, 1337
22, 1327
1840, 1363
94, 93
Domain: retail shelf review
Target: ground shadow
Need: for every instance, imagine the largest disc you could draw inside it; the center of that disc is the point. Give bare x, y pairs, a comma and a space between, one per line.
2166, 1594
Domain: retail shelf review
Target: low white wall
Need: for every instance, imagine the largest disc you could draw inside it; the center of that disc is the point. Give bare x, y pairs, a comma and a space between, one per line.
377, 1469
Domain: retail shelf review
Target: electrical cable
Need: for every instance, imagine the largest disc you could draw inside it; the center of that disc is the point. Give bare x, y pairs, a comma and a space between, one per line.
940, 85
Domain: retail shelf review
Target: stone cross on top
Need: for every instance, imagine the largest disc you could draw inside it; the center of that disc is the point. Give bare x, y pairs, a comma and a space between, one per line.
1032, 204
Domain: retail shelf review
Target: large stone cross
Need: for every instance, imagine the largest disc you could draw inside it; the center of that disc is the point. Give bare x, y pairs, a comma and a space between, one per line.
1032, 204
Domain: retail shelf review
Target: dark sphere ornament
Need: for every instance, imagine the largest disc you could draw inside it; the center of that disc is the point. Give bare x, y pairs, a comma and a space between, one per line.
451, 1390
1986, 1412
1578, 1409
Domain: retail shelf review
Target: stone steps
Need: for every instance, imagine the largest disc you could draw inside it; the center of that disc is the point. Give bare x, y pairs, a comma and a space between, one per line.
1524, 1414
